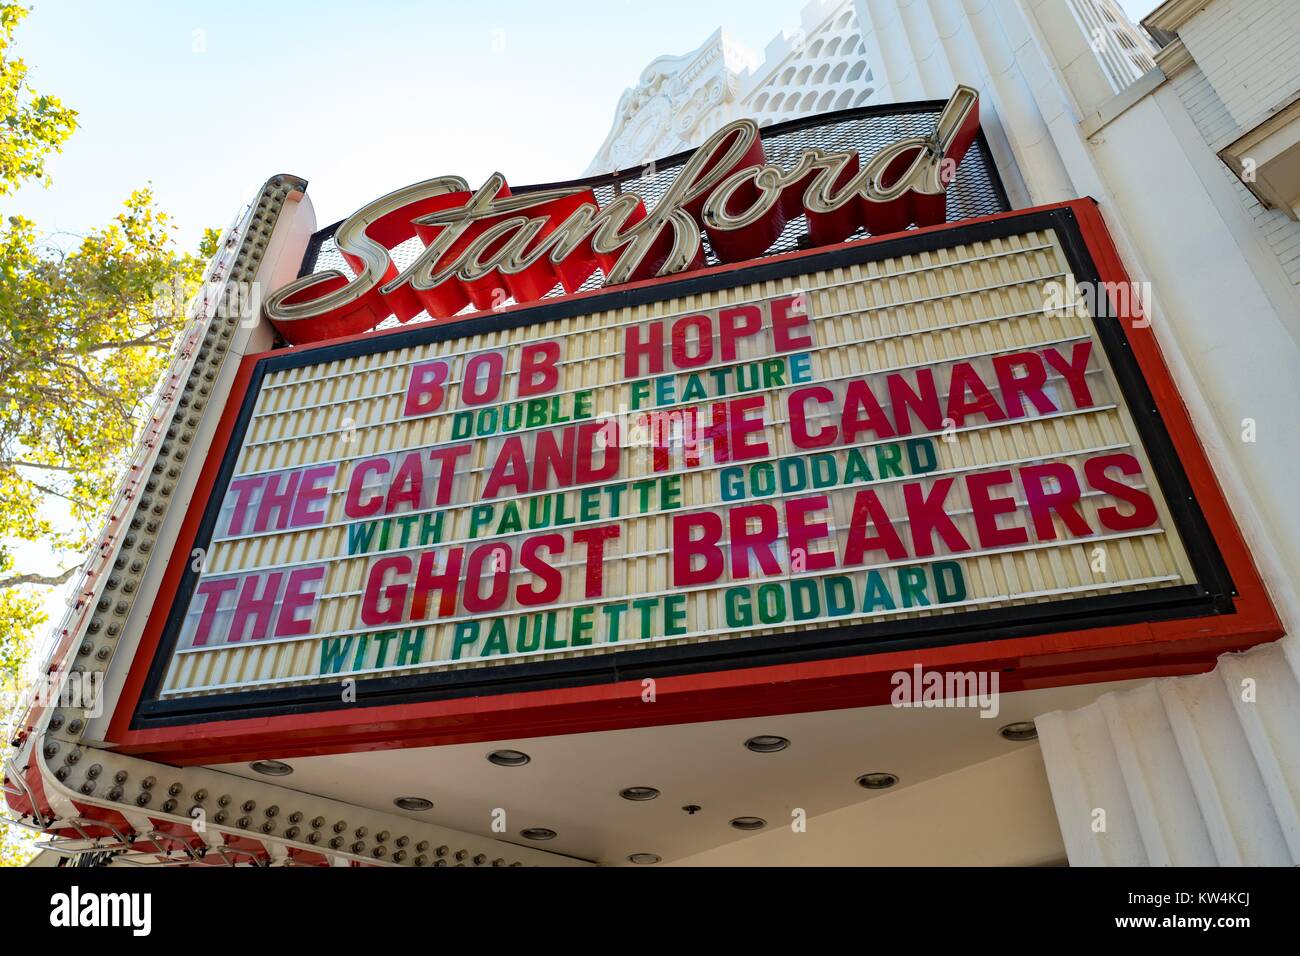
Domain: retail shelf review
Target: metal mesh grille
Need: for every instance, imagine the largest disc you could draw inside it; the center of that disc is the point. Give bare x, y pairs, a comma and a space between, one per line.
977, 190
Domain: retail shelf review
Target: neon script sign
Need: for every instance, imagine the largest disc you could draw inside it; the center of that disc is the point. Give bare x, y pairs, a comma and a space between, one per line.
486, 247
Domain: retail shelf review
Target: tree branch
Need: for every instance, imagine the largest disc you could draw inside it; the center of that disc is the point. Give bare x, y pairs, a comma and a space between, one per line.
51, 580
142, 342
14, 463
58, 494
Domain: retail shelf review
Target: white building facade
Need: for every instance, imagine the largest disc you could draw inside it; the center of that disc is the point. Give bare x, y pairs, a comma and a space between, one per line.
1188, 136
844, 54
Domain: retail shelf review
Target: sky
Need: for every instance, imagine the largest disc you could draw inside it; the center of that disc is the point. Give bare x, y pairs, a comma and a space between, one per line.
209, 99
206, 99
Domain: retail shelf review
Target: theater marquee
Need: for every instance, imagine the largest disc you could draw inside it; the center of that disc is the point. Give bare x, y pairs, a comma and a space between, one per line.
706, 444
905, 438
893, 444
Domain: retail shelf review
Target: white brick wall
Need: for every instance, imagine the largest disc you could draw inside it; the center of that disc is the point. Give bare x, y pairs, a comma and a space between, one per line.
1202, 101
1249, 50
1247, 56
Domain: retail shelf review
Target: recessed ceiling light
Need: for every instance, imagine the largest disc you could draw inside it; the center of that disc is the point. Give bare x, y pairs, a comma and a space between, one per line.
767, 744
644, 859
877, 781
271, 768
537, 833
413, 803
508, 758
1020, 730
749, 823
638, 794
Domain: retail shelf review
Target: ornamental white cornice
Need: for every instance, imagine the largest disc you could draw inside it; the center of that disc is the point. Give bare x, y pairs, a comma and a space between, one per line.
660, 115
1172, 14
784, 47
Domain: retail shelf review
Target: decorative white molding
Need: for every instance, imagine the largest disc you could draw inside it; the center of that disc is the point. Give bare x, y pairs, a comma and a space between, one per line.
822, 66
845, 53
677, 103
1173, 14
1184, 771
680, 100
1174, 58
